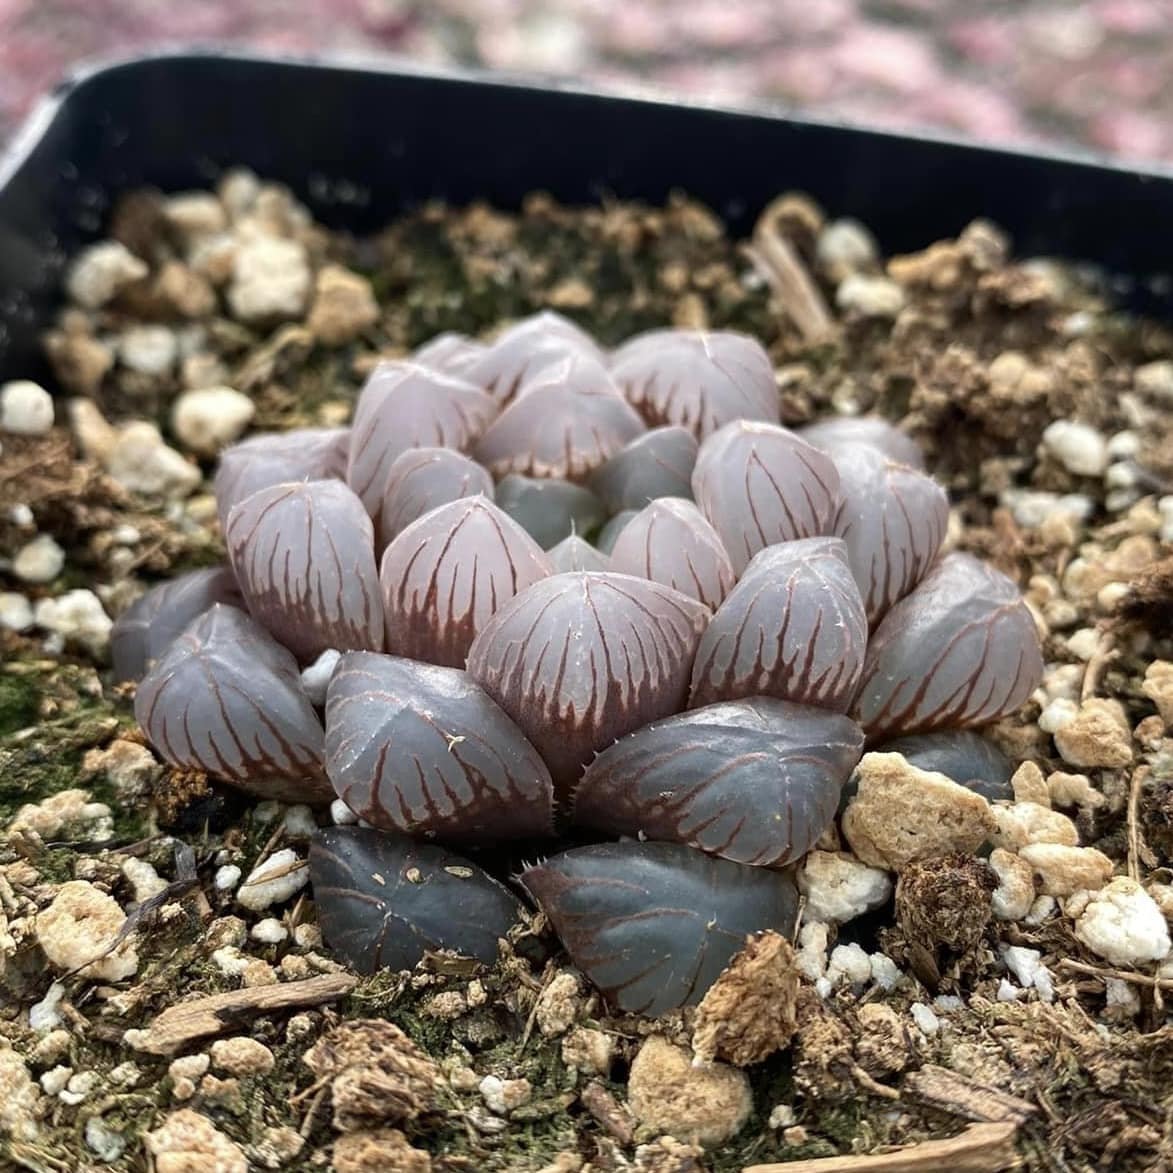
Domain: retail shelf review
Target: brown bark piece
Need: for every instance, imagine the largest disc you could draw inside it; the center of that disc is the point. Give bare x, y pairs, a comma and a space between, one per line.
947, 1091
177, 1026
981, 1148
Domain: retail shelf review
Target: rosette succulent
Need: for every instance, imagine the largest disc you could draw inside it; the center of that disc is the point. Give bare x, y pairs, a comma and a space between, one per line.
576, 598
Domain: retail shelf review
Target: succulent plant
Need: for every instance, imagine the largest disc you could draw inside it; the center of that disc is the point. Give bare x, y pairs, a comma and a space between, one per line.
535, 629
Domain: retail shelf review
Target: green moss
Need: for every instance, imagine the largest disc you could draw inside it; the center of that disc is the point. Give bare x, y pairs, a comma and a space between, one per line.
18, 702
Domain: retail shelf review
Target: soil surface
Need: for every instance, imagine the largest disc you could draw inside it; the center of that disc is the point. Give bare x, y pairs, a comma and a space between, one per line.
155, 1011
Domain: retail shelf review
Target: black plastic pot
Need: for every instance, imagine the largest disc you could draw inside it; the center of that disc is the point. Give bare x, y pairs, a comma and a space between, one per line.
359, 143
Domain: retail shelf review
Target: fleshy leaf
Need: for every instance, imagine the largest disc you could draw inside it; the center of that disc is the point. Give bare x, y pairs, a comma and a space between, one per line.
793, 628
148, 627
384, 900
304, 454
759, 484
404, 405
424, 750
657, 464
829, 435
578, 660
893, 520
549, 510
961, 650
756, 781
670, 541
609, 534
565, 422
701, 381
449, 352
573, 553
447, 573
423, 478
226, 698
525, 349
654, 924
304, 557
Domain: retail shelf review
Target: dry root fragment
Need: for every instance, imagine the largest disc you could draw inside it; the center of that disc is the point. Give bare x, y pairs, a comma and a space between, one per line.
377, 1074
981, 1148
749, 1012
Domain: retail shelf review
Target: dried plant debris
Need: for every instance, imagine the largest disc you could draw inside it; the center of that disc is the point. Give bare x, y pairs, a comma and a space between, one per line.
705, 549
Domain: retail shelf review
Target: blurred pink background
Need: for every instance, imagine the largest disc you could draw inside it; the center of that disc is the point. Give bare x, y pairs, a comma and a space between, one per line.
1098, 74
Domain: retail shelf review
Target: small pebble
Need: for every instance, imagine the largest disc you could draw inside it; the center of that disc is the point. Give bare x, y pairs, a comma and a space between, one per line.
26, 408
299, 822
141, 461
149, 350
1078, 447
16, 612
316, 678
341, 815
845, 247
76, 616
281, 876
55, 1079
39, 561
45, 1015
872, 297
838, 887
101, 272
78, 1088
107, 1143
1097, 736
927, 1022
270, 280
207, 420
849, 963
1155, 379
1122, 923
269, 931
242, 1057
143, 878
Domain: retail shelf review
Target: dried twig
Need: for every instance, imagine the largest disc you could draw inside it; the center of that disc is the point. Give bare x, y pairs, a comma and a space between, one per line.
947, 1091
1124, 975
1104, 654
981, 1148
201, 1018
774, 257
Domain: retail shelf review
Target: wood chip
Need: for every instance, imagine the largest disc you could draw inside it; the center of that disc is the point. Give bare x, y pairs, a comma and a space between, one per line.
981, 1148
202, 1018
949, 1092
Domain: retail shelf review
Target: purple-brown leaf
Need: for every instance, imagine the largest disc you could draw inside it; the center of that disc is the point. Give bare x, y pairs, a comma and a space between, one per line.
578, 660
759, 484
756, 781
424, 750
384, 901
654, 924
565, 422
701, 381
573, 553
657, 464
421, 479
305, 454
404, 405
670, 541
793, 628
961, 650
522, 351
226, 698
893, 520
447, 573
829, 435
304, 557
147, 628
